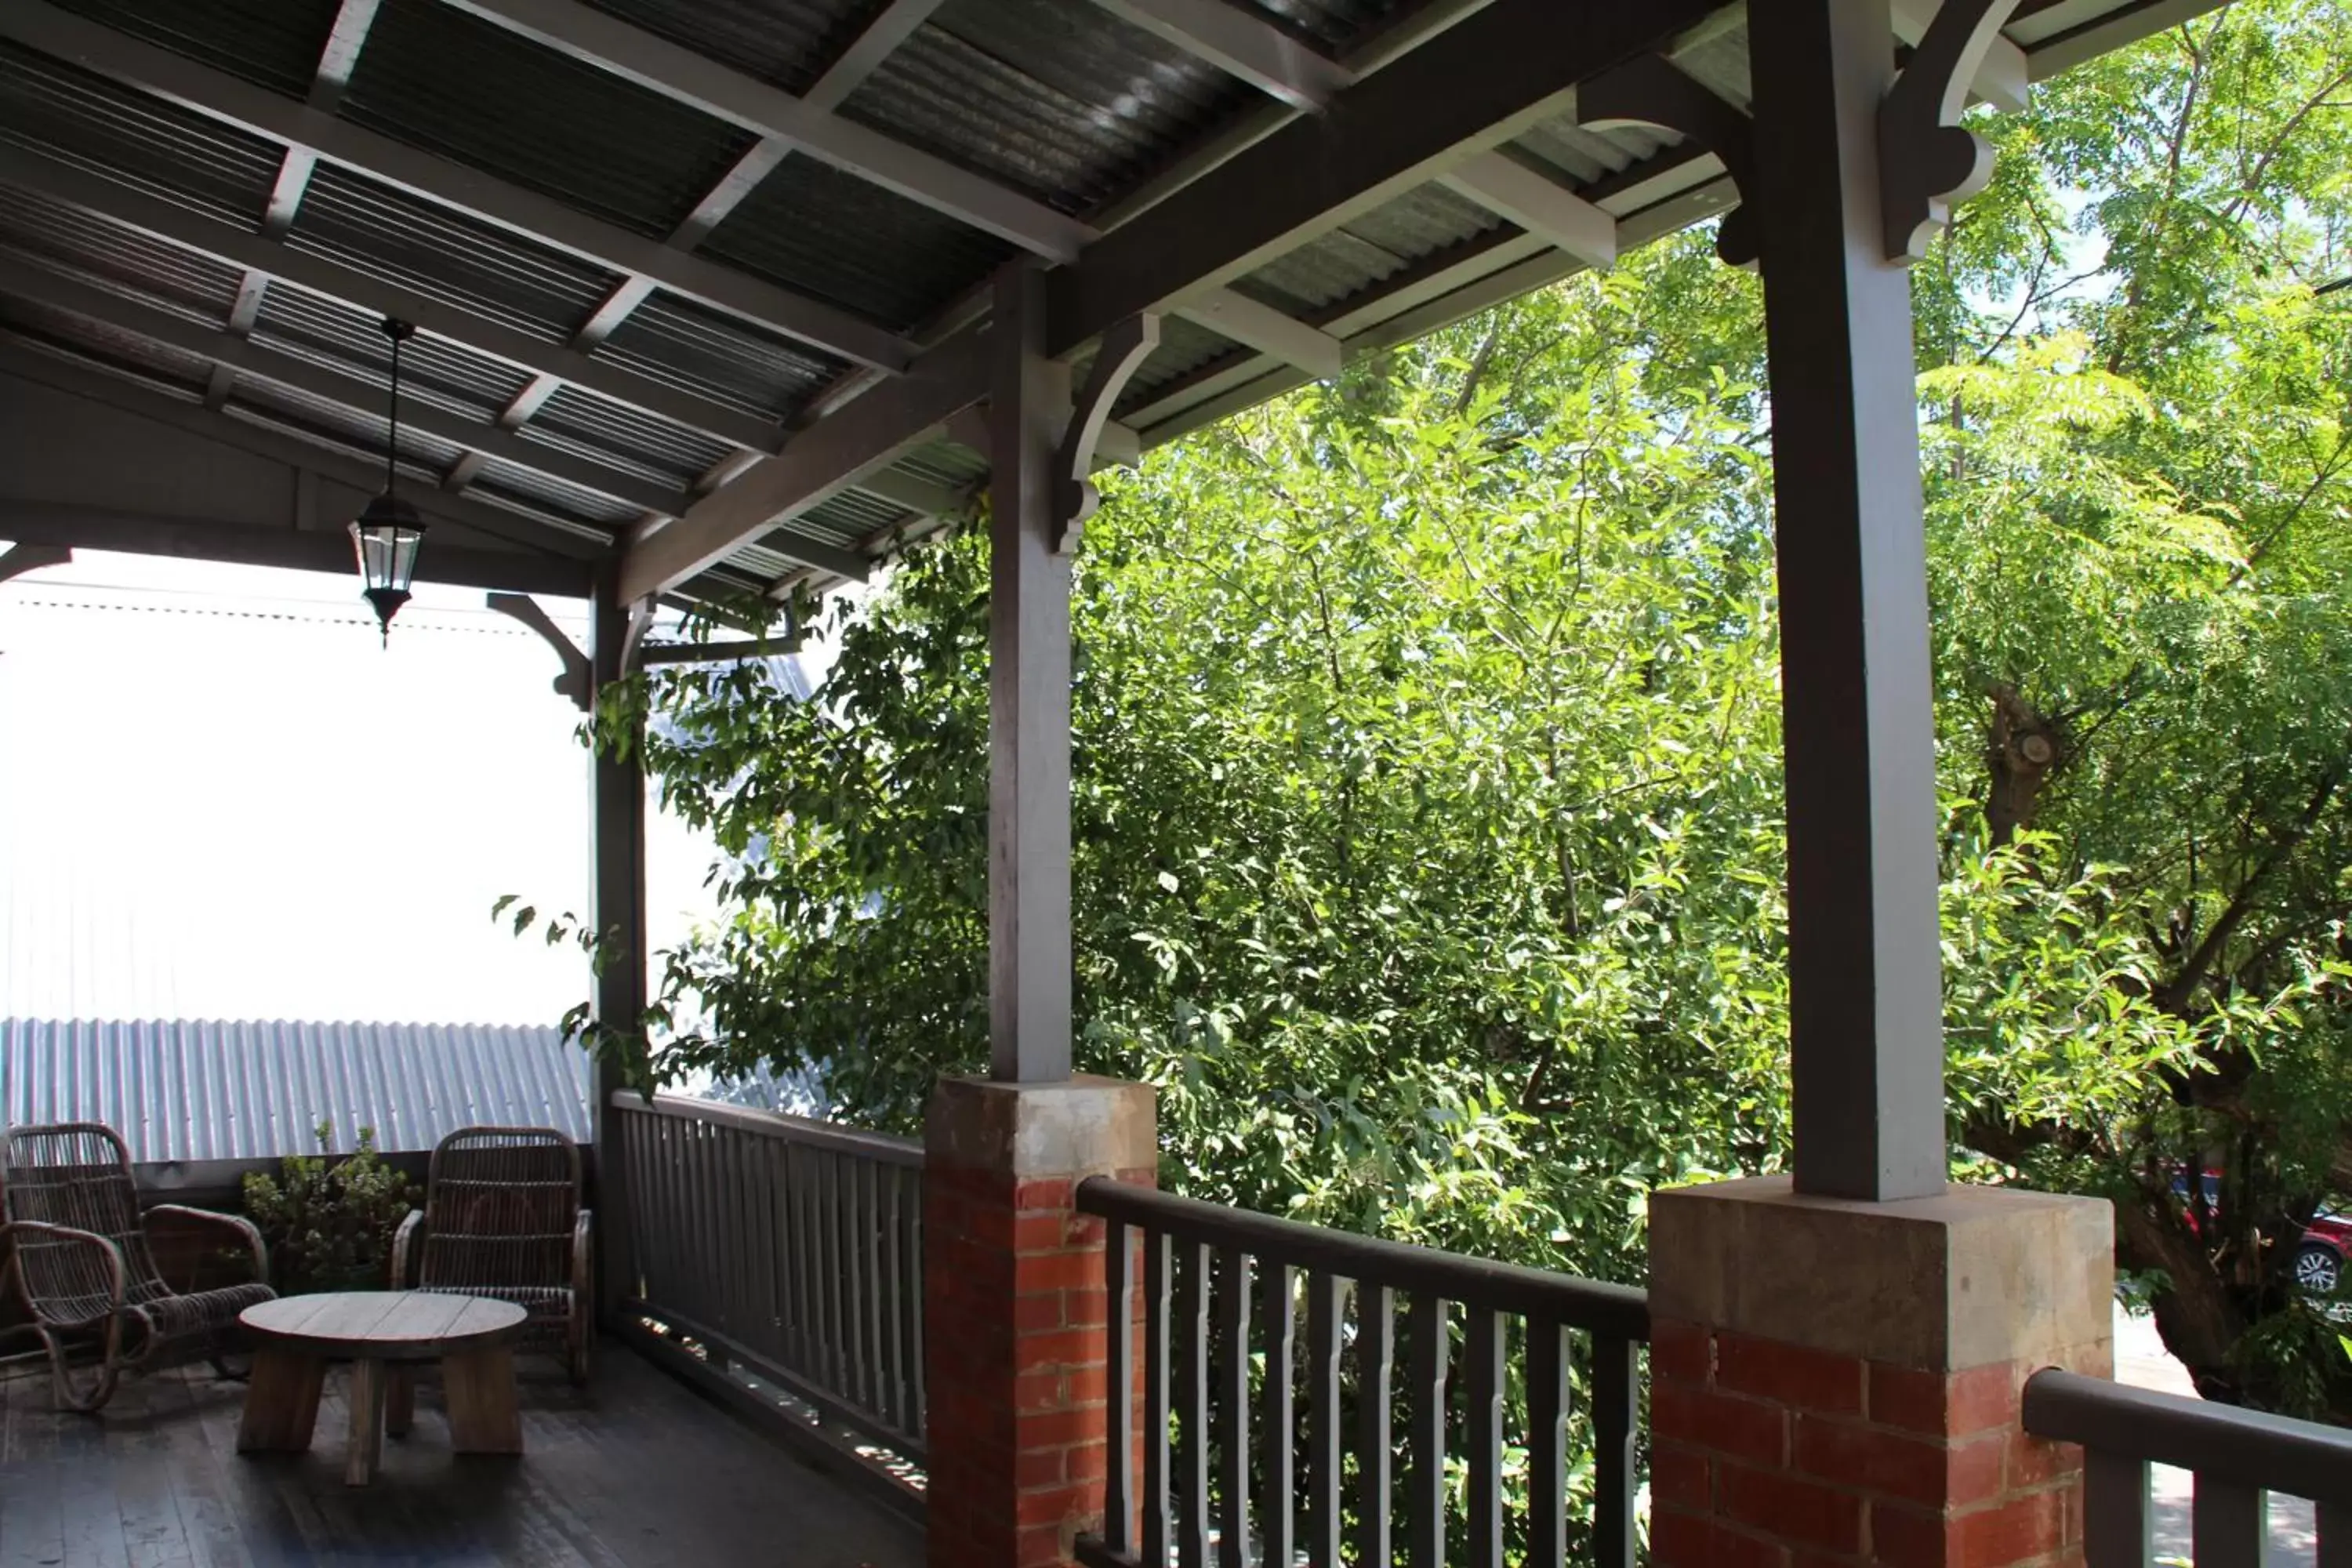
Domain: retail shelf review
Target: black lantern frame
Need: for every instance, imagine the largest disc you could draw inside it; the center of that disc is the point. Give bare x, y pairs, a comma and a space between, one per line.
388, 534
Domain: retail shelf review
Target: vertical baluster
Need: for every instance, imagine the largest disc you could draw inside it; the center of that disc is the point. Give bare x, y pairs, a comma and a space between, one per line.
1118, 1483
1192, 1417
2115, 1517
1616, 1392
1547, 1444
869, 1236
894, 1299
803, 1207
828, 1218
694, 1281
1425, 1350
771, 1251
1375, 1365
2229, 1523
1232, 1425
853, 1275
1157, 1264
726, 1268
2335, 1535
1324, 1476
918, 1424
1483, 1420
1277, 1426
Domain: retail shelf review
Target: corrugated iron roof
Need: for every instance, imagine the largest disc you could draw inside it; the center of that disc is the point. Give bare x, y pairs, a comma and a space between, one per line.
276, 43
444, 79
682, 345
785, 42
167, 151
1334, 25
813, 228
69, 240
445, 372
446, 255
1065, 102
661, 448
187, 1091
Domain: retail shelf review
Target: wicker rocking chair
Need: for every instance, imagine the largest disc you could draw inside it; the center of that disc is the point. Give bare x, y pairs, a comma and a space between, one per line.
80, 1261
502, 1218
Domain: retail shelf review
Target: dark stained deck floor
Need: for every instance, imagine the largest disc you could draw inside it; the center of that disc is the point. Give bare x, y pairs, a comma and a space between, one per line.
638, 1471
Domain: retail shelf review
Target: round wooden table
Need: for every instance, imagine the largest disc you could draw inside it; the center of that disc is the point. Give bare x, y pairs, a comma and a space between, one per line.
383, 1335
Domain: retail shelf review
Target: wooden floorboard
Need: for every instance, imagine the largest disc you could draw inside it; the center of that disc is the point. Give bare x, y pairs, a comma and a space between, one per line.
636, 1471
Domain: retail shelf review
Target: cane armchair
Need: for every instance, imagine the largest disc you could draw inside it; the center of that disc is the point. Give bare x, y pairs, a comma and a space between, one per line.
503, 1218
78, 1261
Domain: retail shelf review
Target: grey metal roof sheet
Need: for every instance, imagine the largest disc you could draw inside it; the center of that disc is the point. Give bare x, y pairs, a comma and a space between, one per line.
813, 228
111, 345
454, 376
276, 43
449, 81
70, 240
1065, 102
373, 228
1334, 25
167, 151
662, 448
355, 427
682, 345
547, 493
187, 1090
786, 42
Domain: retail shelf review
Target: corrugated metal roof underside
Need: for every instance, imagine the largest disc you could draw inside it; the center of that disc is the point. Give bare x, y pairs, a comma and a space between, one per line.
108, 345
452, 375
785, 42
446, 255
944, 463
65, 239
185, 1090
1067, 102
812, 228
438, 78
276, 43
680, 343
170, 152
1333, 26
663, 449
849, 519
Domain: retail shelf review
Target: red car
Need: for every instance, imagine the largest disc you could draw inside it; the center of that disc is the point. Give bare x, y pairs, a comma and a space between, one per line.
2319, 1256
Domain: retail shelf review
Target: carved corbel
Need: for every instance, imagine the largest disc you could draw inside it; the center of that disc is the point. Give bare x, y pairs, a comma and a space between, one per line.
1927, 159
1650, 89
633, 637
576, 682
1123, 351
24, 558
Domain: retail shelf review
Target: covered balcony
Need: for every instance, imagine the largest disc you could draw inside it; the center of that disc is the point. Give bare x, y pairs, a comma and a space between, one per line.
717, 305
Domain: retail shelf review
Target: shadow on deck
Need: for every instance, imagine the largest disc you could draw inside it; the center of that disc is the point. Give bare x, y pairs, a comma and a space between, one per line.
634, 1472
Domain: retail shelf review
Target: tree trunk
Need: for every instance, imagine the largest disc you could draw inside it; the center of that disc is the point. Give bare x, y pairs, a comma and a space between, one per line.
2023, 749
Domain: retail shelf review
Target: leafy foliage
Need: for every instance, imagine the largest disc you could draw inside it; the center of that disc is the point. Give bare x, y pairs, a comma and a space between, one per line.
1427, 811
329, 1221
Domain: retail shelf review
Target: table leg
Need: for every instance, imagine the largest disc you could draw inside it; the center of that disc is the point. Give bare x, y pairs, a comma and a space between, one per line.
399, 1399
366, 1451
281, 1401
478, 1386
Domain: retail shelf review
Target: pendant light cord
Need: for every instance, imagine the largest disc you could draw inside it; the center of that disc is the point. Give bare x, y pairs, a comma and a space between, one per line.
391, 446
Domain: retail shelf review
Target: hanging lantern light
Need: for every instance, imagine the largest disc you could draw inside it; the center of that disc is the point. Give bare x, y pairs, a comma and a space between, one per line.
388, 531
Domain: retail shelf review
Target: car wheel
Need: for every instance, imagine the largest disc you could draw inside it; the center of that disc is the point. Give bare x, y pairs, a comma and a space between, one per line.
2317, 1268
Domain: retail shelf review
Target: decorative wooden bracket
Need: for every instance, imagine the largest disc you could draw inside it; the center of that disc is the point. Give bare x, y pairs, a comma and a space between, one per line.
575, 682
1650, 89
25, 558
633, 639
1927, 159
1123, 350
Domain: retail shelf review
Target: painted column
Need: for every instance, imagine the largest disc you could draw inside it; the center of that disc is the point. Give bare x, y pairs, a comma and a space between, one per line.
617, 902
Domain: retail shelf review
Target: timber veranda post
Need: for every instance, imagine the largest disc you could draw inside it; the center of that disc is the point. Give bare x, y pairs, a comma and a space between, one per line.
617, 901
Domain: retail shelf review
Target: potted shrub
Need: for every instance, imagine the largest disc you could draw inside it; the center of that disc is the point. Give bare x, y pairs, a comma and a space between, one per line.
328, 1222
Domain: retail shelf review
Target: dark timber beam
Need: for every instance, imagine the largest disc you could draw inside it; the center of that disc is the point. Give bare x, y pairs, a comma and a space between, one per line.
1464, 92
617, 910
301, 550
1865, 984
19, 559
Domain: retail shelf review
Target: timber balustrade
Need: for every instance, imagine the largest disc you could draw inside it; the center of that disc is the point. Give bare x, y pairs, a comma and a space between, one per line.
1279, 1364
2239, 1457
788, 1248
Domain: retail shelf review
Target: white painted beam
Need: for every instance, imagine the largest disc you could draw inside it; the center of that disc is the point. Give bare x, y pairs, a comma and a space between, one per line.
340, 57
2005, 80
1267, 329
1243, 45
661, 66
60, 182
1542, 206
41, 25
